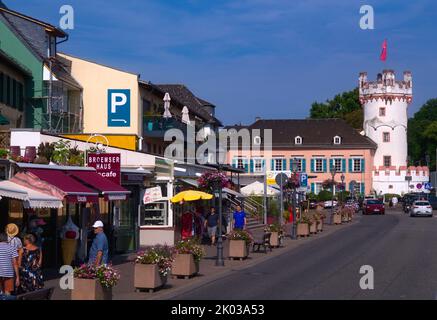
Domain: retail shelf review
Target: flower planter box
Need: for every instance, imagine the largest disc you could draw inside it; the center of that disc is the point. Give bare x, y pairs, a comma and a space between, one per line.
303, 230
238, 249
313, 228
184, 265
274, 239
147, 276
90, 289
344, 219
320, 226
337, 219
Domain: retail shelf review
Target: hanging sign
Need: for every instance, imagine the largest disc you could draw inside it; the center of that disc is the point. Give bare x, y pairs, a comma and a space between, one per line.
152, 195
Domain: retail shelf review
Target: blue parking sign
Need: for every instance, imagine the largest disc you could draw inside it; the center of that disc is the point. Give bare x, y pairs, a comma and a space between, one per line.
118, 108
303, 180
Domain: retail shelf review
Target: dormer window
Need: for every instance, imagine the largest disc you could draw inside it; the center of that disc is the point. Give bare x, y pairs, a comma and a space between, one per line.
337, 140
257, 140
298, 140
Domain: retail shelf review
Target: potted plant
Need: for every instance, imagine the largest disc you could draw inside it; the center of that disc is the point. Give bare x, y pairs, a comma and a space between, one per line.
313, 224
94, 282
209, 181
45, 151
303, 226
152, 267
276, 234
319, 221
188, 254
4, 153
239, 243
336, 218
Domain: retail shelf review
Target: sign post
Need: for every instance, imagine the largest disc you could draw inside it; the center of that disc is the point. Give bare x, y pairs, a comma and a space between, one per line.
108, 165
281, 180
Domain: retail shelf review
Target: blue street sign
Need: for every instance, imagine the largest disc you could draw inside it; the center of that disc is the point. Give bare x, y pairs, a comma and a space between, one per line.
303, 180
428, 186
118, 108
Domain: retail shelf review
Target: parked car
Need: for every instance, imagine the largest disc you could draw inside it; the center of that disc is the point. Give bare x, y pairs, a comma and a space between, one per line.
371, 206
313, 203
328, 204
421, 208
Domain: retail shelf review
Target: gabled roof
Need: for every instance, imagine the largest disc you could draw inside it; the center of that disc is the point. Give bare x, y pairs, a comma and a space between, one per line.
315, 133
182, 95
31, 31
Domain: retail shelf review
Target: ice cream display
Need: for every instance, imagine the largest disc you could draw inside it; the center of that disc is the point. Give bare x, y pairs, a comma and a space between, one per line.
69, 235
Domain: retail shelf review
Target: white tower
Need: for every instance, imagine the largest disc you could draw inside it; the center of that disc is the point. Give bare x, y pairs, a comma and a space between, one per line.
385, 102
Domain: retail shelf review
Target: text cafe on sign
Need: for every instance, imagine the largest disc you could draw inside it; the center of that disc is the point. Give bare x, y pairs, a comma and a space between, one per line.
107, 165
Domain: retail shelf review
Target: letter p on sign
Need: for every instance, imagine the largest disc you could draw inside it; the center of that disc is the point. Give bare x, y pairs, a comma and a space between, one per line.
118, 108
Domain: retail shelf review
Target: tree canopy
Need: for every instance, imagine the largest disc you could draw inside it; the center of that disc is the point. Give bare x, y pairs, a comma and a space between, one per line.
344, 106
422, 134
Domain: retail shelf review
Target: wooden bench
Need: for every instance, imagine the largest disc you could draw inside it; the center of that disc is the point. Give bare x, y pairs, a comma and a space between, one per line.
264, 242
42, 294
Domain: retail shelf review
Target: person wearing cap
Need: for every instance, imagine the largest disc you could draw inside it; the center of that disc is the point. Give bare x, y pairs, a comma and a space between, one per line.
12, 230
99, 249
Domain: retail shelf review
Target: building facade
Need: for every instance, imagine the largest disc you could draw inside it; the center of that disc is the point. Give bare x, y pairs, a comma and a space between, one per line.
320, 147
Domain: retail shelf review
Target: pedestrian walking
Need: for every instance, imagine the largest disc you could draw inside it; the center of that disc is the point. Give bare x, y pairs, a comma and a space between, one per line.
239, 218
12, 231
99, 248
31, 277
8, 266
211, 223
395, 201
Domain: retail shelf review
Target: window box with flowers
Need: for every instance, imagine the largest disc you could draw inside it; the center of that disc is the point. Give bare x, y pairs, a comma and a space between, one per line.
94, 282
152, 267
276, 235
239, 243
188, 254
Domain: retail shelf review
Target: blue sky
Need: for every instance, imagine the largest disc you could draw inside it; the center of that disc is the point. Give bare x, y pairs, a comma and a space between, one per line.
267, 58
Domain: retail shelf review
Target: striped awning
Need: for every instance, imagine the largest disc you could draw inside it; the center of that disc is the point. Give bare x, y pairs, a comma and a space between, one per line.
31, 198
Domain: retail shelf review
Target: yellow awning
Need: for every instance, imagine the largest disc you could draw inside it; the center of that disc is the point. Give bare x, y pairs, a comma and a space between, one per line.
191, 195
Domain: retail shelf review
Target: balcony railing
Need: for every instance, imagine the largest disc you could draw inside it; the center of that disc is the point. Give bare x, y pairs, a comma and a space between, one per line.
156, 126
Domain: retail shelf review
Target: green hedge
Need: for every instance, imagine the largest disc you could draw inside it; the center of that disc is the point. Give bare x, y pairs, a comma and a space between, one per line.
389, 196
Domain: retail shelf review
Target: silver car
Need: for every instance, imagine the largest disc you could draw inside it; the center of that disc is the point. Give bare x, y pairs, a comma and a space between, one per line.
421, 208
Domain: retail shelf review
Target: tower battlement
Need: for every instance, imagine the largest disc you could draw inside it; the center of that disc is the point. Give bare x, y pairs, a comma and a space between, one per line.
386, 87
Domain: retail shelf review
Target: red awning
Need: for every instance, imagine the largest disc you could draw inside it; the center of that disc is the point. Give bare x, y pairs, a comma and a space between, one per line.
76, 191
109, 189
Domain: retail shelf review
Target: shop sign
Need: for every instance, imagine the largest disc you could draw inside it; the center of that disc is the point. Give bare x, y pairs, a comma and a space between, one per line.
106, 164
152, 195
112, 197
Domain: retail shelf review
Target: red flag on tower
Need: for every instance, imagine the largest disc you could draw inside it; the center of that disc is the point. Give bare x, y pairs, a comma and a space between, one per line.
383, 56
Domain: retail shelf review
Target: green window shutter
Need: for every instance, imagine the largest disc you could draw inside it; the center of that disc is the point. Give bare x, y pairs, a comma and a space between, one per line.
324, 165
313, 187
284, 164
246, 165
263, 161
272, 165
312, 165
362, 190
343, 165
291, 164
363, 165
251, 167
350, 187
14, 93
351, 168
331, 164
304, 165
234, 162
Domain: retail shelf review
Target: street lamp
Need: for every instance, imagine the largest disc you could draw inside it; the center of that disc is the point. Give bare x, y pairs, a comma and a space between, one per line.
333, 173
294, 165
342, 177
220, 262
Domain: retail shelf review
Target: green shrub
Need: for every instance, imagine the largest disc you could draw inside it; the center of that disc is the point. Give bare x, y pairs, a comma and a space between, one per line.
324, 195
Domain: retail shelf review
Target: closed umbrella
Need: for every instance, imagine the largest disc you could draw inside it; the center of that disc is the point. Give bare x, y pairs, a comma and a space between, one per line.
167, 100
185, 115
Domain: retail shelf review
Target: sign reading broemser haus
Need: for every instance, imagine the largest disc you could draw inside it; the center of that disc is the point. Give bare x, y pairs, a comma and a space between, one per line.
106, 164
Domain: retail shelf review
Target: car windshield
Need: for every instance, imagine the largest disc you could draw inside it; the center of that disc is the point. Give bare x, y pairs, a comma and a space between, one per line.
374, 202
421, 203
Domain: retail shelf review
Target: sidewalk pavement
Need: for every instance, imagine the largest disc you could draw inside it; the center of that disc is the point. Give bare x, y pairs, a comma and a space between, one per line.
208, 271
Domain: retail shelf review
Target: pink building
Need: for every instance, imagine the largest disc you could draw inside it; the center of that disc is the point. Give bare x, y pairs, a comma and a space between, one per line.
318, 145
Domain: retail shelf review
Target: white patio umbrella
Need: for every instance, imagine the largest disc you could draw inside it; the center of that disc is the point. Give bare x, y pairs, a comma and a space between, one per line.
257, 188
167, 100
185, 115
